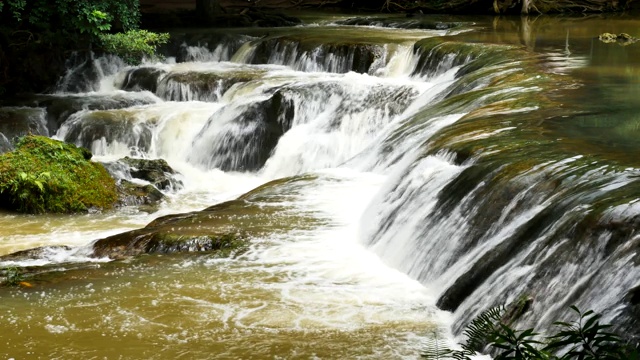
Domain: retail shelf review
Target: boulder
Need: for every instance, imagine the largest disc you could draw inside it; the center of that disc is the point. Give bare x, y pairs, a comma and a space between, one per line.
157, 172
246, 142
224, 229
144, 196
212, 229
144, 78
45, 175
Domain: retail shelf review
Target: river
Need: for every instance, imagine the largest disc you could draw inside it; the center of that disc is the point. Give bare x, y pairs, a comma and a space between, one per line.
433, 167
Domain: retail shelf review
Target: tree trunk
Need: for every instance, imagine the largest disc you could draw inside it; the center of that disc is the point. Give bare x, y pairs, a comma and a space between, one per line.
208, 9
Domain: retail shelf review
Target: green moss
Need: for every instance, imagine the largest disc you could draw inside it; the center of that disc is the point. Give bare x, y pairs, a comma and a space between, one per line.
46, 175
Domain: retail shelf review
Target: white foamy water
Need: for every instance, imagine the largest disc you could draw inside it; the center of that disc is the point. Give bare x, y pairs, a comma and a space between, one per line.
313, 291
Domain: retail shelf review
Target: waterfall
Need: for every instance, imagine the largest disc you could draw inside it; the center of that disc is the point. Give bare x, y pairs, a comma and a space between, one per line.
465, 226
455, 154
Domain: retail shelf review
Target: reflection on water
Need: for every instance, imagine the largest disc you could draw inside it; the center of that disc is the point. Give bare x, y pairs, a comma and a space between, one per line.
601, 113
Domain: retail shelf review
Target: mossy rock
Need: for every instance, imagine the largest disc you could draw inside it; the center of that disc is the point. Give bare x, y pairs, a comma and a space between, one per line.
45, 175
223, 229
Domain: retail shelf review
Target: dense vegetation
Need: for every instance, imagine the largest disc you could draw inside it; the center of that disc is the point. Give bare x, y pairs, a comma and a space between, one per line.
38, 36
583, 339
45, 175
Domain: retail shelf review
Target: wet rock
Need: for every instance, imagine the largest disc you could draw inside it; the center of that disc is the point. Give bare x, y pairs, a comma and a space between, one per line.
224, 229
157, 172
202, 86
60, 107
144, 78
245, 143
139, 181
34, 253
16, 122
132, 194
608, 37
122, 125
517, 309
212, 229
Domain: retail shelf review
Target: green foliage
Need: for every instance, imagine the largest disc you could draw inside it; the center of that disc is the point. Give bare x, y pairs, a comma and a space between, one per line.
12, 276
481, 330
587, 339
583, 339
71, 16
436, 348
45, 175
94, 22
133, 45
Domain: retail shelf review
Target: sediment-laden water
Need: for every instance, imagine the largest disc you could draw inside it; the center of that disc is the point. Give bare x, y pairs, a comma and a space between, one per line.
446, 163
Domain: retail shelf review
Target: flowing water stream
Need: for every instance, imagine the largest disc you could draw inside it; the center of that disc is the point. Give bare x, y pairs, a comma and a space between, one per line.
444, 163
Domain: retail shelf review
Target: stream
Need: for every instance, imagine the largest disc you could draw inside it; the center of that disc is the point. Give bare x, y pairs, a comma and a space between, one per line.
409, 172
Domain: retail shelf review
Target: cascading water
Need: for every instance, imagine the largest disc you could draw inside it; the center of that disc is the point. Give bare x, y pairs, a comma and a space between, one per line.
410, 169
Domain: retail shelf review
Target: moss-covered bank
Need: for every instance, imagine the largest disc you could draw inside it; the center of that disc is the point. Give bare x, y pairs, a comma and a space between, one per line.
45, 175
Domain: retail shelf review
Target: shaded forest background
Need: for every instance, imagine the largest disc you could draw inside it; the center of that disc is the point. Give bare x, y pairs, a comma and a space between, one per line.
32, 59
440, 6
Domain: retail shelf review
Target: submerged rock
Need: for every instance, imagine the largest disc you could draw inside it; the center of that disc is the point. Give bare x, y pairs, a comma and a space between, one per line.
212, 229
225, 228
34, 253
622, 38
45, 175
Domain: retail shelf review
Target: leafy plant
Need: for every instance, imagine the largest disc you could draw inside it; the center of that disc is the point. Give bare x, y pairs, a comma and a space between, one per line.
586, 339
13, 276
483, 330
133, 45
583, 339
517, 345
436, 348
94, 22
28, 191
